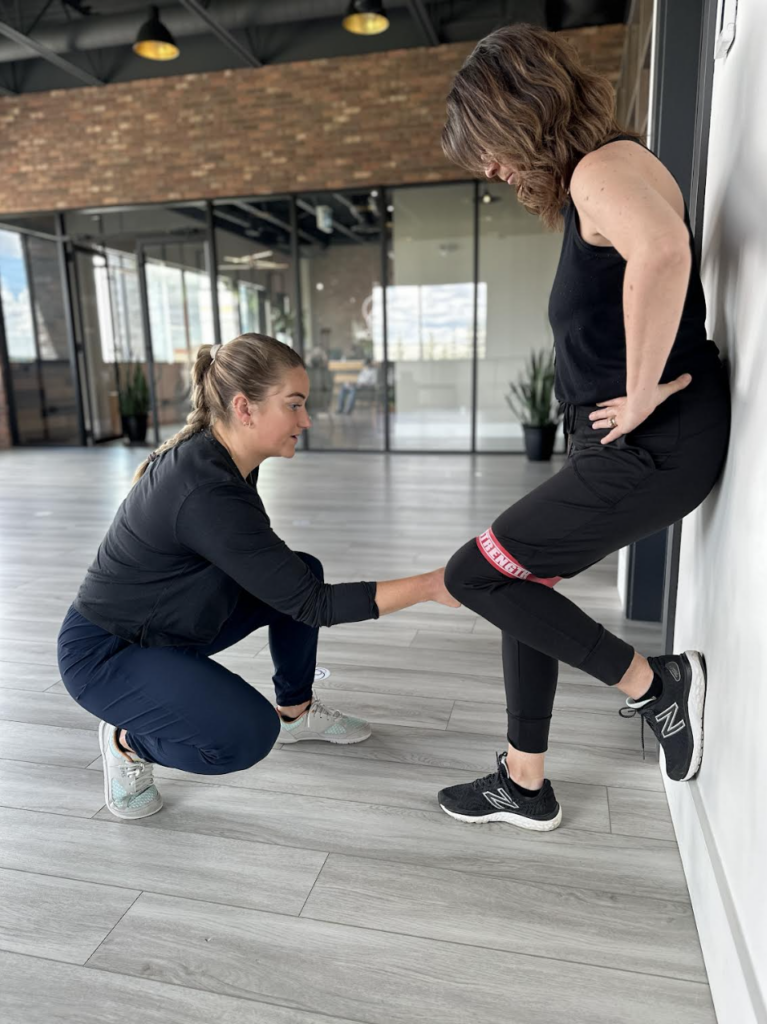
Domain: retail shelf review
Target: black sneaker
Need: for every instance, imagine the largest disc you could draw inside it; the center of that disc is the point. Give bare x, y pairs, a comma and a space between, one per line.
495, 797
676, 716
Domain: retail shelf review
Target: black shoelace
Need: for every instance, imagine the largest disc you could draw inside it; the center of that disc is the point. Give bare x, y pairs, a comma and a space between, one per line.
496, 776
629, 712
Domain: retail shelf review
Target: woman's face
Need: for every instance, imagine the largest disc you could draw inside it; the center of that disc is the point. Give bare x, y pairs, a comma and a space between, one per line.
281, 418
501, 171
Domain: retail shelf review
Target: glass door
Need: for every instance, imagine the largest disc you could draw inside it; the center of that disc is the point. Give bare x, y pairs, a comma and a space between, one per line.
180, 317
44, 394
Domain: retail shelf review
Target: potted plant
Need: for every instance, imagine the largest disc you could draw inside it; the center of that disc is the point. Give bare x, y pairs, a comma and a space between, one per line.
532, 402
134, 404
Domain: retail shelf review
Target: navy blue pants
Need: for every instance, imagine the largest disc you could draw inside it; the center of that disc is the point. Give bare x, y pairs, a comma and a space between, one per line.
180, 708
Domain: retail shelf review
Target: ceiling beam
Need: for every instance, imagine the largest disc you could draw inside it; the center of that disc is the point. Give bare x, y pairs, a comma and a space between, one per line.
270, 218
53, 58
222, 33
302, 204
423, 21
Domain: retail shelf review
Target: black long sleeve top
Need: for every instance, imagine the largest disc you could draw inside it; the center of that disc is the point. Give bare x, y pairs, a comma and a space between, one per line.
189, 537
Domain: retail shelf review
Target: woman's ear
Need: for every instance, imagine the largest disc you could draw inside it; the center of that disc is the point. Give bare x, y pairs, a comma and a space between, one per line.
242, 410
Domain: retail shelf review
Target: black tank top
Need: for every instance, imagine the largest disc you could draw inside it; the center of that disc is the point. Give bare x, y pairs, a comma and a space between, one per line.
586, 316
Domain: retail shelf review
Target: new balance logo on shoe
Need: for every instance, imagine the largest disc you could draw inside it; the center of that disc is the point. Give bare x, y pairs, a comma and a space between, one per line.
674, 670
500, 799
668, 718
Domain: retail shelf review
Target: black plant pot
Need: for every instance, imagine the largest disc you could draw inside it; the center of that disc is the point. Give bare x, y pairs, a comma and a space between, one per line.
134, 428
539, 442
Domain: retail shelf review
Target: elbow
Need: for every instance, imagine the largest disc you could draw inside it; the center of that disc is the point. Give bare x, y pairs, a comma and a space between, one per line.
668, 253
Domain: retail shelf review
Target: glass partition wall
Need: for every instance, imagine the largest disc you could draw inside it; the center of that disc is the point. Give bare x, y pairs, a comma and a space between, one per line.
414, 307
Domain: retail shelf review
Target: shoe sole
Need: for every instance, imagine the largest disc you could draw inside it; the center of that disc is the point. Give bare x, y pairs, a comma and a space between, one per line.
107, 795
344, 740
531, 824
696, 700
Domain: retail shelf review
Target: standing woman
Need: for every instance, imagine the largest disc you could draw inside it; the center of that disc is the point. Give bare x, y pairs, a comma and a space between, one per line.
191, 566
646, 405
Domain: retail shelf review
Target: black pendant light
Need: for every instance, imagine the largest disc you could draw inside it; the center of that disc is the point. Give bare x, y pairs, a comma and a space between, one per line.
366, 18
154, 41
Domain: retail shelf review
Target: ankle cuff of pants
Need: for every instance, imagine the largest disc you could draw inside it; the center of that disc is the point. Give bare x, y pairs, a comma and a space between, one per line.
609, 658
289, 700
138, 748
529, 735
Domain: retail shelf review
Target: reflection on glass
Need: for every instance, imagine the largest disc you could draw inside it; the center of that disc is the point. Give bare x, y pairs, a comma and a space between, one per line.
255, 269
37, 340
517, 263
96, 329
430, 317
17, 308
340, 266
180, 320
20, 339
57, 389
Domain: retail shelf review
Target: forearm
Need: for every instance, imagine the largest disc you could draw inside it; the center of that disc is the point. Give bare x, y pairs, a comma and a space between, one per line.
654, 291
393, 595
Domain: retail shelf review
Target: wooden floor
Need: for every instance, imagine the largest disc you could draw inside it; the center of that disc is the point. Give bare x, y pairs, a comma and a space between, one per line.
325, 885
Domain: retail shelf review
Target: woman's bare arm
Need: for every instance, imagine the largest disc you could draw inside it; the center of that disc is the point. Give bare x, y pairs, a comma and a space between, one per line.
394, 595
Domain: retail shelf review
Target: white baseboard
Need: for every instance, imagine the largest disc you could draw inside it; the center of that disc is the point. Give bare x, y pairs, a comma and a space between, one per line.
731, 973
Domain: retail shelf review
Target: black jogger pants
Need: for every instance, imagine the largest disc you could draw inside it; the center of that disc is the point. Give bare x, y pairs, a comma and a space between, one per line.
604, 497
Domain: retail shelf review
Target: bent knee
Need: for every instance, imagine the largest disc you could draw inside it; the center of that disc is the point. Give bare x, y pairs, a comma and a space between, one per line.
242, 750
463, 569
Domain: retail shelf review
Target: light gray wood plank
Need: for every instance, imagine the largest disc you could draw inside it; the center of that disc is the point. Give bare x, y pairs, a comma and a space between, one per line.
17, 676
65, 994
415, 981
383, 631
32, 627
597, 766
599, 700
448, 640
412, 682
578, 727
390, 709
56, 917
47, 744
387, 783
29, 652
222, 870
569, 856
636, 812
383, 656
35, 787
45, 709
576, 925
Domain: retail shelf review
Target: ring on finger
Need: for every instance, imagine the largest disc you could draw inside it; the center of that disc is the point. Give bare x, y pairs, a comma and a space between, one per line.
613, 422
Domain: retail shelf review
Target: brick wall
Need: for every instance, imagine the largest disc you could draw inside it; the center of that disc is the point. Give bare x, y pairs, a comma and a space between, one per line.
315, 125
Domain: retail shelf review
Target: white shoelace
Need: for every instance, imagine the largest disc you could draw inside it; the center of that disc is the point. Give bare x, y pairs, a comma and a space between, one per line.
136, 772
322, 711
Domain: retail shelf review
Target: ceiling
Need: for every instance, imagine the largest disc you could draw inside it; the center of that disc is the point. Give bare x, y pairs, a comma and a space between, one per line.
61, 44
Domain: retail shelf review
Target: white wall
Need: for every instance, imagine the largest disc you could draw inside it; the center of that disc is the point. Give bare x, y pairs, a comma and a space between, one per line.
720, 818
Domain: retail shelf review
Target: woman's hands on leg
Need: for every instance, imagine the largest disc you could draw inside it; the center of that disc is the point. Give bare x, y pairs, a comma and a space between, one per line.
394, 595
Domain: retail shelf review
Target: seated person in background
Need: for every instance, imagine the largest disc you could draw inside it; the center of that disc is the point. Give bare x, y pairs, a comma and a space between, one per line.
321, 381
367, 378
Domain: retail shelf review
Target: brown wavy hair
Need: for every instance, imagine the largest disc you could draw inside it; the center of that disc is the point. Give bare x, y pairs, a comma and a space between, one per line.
524, 98
251, 364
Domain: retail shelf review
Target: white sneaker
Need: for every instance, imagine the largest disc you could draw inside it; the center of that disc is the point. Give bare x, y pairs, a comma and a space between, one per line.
322, 723
129, 788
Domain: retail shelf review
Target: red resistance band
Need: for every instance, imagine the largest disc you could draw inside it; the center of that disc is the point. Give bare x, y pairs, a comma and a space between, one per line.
499, 557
